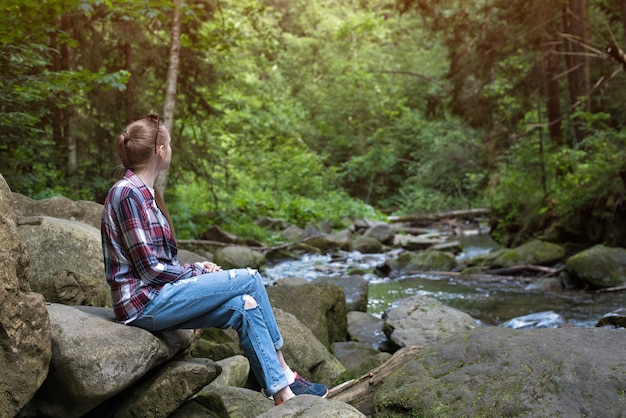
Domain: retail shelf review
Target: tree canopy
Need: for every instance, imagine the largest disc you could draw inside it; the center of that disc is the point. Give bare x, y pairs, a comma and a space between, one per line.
314, 109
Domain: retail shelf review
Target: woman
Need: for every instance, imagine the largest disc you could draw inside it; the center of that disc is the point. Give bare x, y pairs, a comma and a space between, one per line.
152, 290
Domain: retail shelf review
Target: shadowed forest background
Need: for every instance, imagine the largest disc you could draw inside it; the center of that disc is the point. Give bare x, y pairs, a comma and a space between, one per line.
308, 110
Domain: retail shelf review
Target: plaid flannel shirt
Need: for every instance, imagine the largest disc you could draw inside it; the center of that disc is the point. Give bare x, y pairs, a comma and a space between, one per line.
140, 254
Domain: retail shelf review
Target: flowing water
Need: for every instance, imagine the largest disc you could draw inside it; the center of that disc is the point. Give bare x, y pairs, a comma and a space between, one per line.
492, 303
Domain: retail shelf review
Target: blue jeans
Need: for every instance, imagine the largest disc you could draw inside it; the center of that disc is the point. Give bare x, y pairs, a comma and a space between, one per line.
217, 300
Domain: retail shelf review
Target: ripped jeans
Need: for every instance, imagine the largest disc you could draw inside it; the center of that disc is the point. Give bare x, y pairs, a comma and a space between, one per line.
222, 299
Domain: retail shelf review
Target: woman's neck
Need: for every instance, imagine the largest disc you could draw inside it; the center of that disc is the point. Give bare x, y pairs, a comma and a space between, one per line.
147, 175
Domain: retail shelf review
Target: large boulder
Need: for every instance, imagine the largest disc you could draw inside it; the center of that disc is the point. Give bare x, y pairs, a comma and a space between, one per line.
83, 211
533, 252
238, 256
598, 267
58, 245
319, 306
423, 321
25, 344
308, 406
304, 353
497, 372
94, 359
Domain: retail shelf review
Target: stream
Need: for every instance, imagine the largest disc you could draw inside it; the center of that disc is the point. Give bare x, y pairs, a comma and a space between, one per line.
492, 303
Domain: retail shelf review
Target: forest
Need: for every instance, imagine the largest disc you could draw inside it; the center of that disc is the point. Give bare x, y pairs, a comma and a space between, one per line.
307, 110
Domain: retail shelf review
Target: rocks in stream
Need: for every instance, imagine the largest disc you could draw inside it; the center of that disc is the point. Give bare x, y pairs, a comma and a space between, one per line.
71, 361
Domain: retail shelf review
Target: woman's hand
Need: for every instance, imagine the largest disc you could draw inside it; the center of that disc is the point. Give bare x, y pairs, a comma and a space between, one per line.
212, 267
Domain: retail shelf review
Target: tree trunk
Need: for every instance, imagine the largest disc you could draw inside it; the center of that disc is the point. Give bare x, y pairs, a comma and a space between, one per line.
551, 71
128, 94
579, 71
170, 91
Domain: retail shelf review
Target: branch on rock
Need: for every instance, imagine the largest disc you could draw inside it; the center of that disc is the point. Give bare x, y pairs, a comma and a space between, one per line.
547, 271
360, 392
611, 289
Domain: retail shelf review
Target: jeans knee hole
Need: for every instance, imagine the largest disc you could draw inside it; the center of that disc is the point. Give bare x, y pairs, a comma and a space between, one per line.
249, 302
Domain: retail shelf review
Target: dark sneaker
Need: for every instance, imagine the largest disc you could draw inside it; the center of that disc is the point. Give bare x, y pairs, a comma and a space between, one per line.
301, 386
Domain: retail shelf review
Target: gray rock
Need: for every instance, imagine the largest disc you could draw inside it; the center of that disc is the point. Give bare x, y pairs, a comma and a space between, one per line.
60, 207
422, 261
307, 406
94, 358
365, 245
228, 401
164, 392
238, 256
598, 267
498, 372
319, 306
352, 354
381, 231
235, 371
304, 353
327, 243
355, 287
533, 252
58, 245
615, 319
25, 345
367, 329
292, 233
423, 321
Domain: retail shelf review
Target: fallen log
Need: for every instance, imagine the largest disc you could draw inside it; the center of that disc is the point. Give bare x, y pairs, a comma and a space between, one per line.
431, 217
360, 392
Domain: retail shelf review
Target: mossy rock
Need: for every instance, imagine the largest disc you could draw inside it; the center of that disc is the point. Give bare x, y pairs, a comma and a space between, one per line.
426, 260
534, 252
598, 267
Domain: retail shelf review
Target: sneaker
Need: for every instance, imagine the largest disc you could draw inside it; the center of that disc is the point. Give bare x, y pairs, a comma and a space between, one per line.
301, 386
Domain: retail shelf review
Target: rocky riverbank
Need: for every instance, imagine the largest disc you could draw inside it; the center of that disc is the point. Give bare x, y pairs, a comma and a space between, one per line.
63, 355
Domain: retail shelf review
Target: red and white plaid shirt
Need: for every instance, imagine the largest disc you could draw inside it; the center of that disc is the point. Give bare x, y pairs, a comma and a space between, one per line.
140, 254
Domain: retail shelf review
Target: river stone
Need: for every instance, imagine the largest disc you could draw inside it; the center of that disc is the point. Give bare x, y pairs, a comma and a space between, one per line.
367, 245
319, 306
534, 252
425, 261
381, 231
367, 329
615, 319
327, 243
598, 267
355, 287
238, 256
58, 245
499, 372
308, 406
422, 321
94, 358
60, 207
235, 371
25, 345
227, 401
168, 389
304, 353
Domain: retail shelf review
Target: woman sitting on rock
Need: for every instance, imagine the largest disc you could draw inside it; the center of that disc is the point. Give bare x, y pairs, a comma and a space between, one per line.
153, 291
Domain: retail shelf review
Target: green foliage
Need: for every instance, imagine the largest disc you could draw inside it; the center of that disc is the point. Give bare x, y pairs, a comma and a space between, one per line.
309, 110
568, 182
